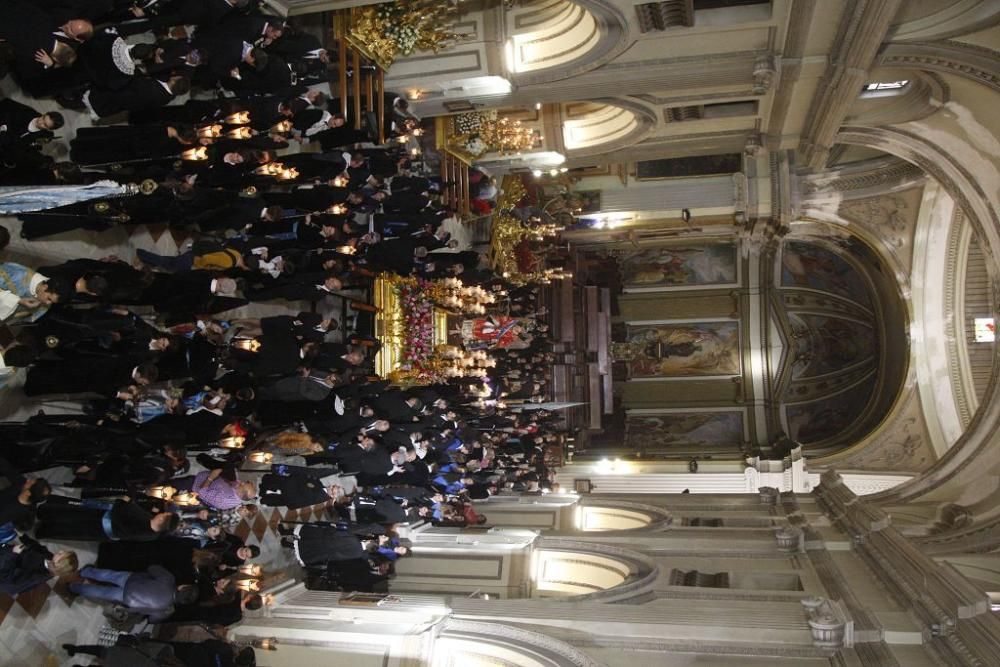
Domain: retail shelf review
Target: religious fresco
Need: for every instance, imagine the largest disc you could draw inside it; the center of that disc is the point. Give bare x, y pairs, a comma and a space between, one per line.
823, 419
811, 266
650, 433
706, 265
688, 349
825, 344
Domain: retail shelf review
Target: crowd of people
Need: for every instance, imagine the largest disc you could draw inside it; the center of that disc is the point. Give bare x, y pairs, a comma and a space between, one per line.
192, 419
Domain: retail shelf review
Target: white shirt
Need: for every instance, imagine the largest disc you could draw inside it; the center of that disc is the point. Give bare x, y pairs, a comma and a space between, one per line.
319, 125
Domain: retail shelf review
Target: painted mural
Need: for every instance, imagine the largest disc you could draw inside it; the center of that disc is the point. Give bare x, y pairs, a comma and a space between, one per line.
650, 433
682, 266
686, 349
823, 419
827, 344
814, 267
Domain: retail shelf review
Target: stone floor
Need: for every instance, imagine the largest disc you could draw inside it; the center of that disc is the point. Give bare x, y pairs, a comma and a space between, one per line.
34, 624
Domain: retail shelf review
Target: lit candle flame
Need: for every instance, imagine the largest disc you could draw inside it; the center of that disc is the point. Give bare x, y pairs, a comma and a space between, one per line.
262, 457
239, 133
199, 153
233, 442
238, 118
210, 131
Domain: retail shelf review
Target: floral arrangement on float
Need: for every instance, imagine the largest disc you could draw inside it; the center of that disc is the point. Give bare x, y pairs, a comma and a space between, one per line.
389, 30
476, 133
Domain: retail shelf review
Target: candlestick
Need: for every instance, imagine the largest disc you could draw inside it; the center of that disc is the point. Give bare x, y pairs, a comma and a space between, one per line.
261, 457
232, 442
239, 133
249, 585
199, 153
185, 498
161, 491
210, 131
248, 344
238, 118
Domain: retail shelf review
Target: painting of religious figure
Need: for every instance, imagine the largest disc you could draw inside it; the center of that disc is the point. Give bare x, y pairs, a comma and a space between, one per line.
679, 267
814, 267
687, 349
684, 429
823, 419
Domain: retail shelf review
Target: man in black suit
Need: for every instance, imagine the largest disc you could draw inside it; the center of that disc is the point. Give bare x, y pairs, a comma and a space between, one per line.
273, 77
39, 44
85, 374
20, 124
141, 93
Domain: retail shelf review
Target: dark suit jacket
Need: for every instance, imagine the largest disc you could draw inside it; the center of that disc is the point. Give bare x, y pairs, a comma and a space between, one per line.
141, 93
14, 119
295, 388
293, 491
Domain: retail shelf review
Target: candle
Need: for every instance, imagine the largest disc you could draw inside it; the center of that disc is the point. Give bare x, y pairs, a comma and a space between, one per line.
199, 153
232, 442
249, 585
288, 174
162, 491
283, 126
415, 152
346, 250
185, 498
210, 131
403, 138
248, 344
239, 133
337, 209
250, 570
238, 118
417, 131
261, 457
339, 182
268, 644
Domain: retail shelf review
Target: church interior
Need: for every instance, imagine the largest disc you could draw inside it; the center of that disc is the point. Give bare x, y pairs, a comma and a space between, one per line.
499, 333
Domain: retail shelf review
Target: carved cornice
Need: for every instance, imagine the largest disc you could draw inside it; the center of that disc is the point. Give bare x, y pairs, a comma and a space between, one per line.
954, 613
959, 237
971, 62
880, 174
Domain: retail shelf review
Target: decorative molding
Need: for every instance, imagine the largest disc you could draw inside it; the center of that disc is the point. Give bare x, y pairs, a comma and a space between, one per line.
765, 71
882, 174
966, 189
959, 370
645, 571
862, 29
556, 653
828, 623
968, 61
954, 614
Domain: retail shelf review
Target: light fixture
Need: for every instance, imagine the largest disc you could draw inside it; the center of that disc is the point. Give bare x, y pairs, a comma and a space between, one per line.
537, 173
686, 215
538, 106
